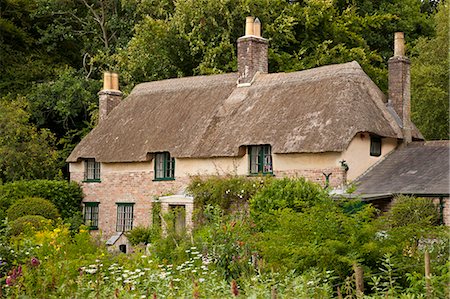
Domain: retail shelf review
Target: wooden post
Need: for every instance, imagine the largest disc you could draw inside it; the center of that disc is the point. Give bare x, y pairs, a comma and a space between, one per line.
427, 274
339, 294
273, 293
359, 280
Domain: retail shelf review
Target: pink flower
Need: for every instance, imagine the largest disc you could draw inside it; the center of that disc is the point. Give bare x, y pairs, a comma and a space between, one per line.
35, 262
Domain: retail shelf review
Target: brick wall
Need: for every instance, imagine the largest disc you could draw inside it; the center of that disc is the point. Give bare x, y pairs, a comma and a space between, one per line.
138, 187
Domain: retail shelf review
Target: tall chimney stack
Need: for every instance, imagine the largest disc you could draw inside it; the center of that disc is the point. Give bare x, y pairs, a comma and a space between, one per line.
252, 52
110, 96
400, 85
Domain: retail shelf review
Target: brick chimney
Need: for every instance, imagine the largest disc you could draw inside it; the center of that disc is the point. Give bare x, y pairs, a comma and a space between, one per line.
400, 85
110, 96
252, 52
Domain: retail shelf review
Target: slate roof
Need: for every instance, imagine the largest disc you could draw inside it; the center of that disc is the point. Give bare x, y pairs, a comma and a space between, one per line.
421, 168
316, 110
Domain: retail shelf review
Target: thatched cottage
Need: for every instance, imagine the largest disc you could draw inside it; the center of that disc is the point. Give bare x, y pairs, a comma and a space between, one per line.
329, 124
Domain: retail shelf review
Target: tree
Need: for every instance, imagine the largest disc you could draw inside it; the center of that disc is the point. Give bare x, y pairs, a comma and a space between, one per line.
429, 80
25, 151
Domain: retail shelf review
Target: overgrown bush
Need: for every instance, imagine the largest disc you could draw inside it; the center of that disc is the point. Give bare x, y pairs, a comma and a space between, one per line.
142, 235
407, 210
294, 194
32, 206
229, 193
66, 196
28, 224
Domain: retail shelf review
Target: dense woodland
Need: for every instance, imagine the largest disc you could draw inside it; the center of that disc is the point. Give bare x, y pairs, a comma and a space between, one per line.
53, 52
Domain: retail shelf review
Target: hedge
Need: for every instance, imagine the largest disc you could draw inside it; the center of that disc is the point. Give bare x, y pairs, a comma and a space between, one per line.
29, 222
32, 206
66, 196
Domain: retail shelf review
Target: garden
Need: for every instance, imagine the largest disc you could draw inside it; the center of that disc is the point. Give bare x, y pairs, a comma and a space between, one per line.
253, 238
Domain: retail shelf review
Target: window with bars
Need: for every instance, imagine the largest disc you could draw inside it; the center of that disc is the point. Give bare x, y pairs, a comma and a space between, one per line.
375, 146
124, 217
91, 170
91, 215
164, 166
260, 159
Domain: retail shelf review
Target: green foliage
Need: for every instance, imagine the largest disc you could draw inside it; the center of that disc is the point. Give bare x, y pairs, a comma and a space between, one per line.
32, 206
227, 239
29, 224
142, 235
285, 194
408, 210
25, 152
229, 193
66, 196
429, 79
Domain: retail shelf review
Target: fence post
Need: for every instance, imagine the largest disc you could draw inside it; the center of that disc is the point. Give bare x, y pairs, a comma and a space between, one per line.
427, 274
339, 294
274, 294
359, 280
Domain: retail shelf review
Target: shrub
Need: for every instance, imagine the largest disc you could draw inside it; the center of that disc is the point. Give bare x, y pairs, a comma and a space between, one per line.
32, 206
66, 196
28, 223
142, 235
293, 194
408, 210
229, 192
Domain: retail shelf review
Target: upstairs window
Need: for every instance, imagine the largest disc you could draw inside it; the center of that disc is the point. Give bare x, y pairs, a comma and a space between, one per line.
164, 167
91, 215
260, 159
124, 217
375, 146
91, 170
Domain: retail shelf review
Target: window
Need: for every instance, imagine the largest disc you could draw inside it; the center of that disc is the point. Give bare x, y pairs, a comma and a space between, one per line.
375, 146
164, 167
91, 214
124, 217
260, 159
91, 171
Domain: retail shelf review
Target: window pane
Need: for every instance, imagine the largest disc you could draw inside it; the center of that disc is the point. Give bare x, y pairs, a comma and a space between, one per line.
375, 146
254, 159
92, 170
164, 166
124, 217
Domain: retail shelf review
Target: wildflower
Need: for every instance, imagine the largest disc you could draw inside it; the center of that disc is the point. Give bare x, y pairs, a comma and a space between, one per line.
143, 256
35, 262
119, 278
91, 270
13, 275
201, 279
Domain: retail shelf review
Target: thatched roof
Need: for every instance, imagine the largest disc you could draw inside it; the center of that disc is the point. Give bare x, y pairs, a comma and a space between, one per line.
317, 110
421, 168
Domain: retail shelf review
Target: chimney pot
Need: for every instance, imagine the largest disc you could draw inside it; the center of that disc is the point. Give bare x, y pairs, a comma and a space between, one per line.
107, 80
399, 44
110, 96
249, 24
114, 81
257, 28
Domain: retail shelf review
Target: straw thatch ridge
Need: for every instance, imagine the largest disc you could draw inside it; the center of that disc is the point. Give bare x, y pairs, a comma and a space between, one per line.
317, 110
